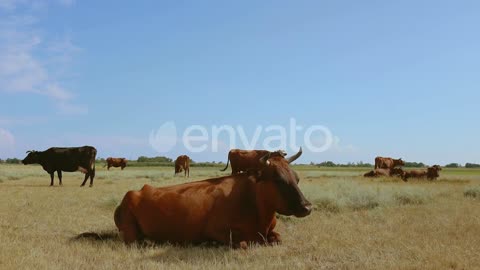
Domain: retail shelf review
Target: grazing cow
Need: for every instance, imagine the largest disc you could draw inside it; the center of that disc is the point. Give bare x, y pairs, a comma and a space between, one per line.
431, 173
236, 209
182, 163
388, 163
244, 160
385, 172
116, 162
67, 159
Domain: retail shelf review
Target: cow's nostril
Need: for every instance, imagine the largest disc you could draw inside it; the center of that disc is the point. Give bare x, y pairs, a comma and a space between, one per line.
305, 210
308, 207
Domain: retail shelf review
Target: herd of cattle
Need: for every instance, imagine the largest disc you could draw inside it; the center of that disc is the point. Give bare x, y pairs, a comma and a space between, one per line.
233, 210
385, 166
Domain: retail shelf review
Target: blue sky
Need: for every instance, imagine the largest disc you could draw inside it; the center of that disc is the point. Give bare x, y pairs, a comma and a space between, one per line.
390, 78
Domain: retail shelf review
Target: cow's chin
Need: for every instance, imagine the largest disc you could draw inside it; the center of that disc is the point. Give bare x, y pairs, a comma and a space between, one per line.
299, 213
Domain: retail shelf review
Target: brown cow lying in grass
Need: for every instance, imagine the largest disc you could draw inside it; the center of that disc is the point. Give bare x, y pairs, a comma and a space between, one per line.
431, 173
237, 209
385, 172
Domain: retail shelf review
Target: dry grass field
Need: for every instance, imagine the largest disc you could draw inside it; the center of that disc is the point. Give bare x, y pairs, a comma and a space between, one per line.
357, 223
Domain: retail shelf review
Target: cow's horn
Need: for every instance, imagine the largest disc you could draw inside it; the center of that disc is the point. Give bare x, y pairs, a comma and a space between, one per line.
294, 157
264, 159
29, 151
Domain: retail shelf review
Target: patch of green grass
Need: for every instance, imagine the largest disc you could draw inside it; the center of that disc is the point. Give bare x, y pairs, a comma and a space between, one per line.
13, 178
327, 204
110, 203
472, 192
411, 196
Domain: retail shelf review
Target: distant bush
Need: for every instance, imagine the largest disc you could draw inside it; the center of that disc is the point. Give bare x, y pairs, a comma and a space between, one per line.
206, 164
406, 197
13, 161
350, 164
327, 204
452, 165
159, 159
472, 192
415, 165
472, 165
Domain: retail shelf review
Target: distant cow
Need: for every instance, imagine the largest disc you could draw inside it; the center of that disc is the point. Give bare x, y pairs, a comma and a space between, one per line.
116, 162
233, 210
388, 163
182, 163
385, 172
67, 159
244, 160
431, 173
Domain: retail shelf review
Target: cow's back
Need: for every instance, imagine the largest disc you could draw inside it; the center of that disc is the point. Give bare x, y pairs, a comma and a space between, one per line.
243, 160
189, 212
69, 159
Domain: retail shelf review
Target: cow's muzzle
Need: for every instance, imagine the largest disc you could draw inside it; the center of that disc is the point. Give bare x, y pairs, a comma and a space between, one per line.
304, 210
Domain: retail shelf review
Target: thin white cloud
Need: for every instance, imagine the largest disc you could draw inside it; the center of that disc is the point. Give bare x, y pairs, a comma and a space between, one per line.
338, 147
7, 143
22, 70
18, 121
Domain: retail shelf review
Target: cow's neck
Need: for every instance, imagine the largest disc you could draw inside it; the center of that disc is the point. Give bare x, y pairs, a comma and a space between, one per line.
266, 210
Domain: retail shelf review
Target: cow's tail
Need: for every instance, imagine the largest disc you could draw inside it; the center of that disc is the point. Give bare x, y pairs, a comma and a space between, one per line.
228, 161
93, 156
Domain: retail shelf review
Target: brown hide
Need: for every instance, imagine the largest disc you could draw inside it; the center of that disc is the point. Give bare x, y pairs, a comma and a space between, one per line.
431, 173
235, 210
116, 162
245, 160
182, 163
387, 163
385, 172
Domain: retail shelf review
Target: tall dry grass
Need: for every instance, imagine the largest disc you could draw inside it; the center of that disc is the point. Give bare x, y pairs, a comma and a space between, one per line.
357, 224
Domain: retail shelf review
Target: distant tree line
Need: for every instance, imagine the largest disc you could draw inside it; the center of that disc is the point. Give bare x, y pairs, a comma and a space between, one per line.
11, 161
350, 164
472, 165
407, 164
415, 165
144, 161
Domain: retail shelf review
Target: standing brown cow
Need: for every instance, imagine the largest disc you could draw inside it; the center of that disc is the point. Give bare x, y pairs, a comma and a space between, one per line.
244, 160
182, 163
388, 163
236, 209
116, 162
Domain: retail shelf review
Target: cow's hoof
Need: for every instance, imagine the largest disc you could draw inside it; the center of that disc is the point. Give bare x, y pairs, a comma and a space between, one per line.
274, 238
82, 185
91, 185
243, 245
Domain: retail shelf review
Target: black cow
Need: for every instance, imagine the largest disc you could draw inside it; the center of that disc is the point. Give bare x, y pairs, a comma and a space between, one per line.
67, 159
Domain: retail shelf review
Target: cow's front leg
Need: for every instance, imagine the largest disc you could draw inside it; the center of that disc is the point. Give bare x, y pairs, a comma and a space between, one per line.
51, 178
84, 180
59, 172
273, 238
